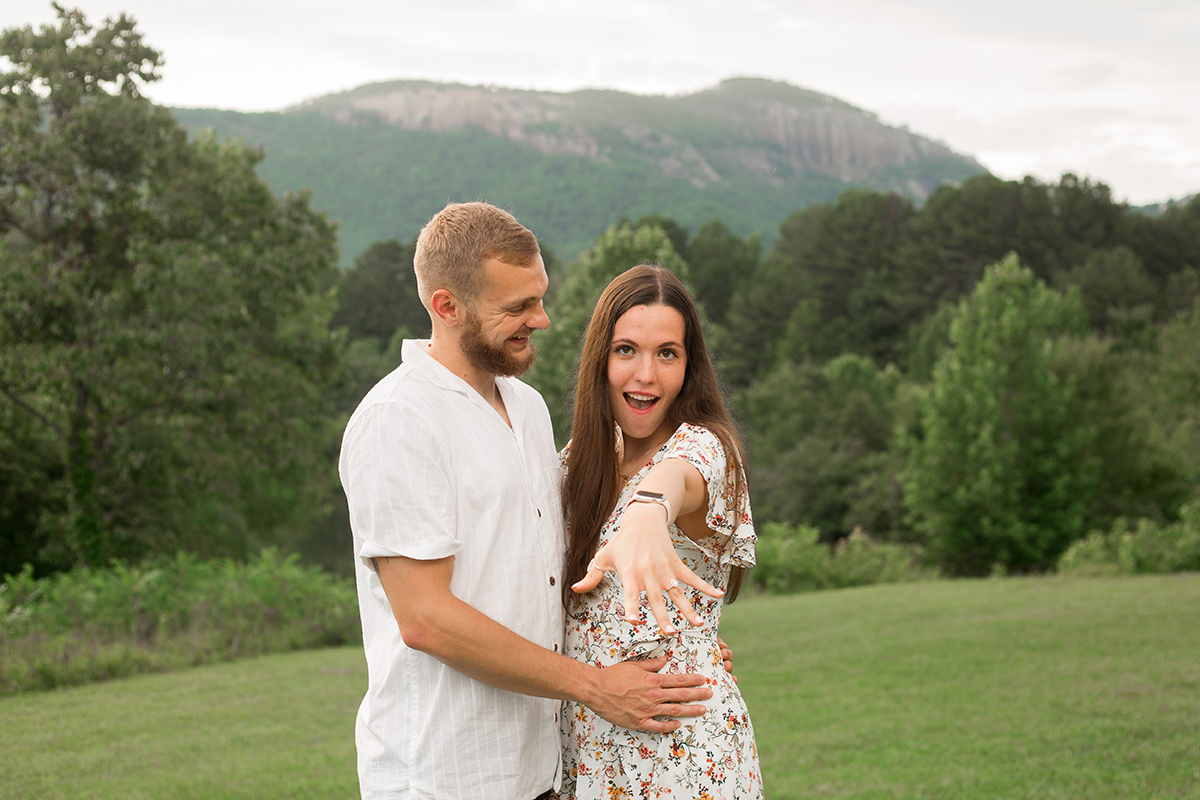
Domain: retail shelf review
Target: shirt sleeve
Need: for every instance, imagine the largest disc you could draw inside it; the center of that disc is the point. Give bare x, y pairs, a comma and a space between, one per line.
731, 520
399, 491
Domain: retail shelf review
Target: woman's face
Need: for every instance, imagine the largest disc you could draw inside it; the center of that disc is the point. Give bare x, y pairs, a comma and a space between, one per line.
647, 363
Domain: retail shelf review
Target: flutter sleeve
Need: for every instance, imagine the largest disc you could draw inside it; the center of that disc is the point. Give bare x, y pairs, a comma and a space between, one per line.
728, 513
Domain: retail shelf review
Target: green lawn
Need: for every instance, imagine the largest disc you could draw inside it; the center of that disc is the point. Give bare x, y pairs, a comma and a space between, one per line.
1016, 688
1019, 688
279, 726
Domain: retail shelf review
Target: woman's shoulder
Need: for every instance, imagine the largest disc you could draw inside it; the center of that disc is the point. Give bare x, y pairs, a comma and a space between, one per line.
695, 442
690, 434
692, 429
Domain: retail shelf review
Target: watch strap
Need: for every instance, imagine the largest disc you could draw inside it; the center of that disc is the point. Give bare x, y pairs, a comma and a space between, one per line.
656, 498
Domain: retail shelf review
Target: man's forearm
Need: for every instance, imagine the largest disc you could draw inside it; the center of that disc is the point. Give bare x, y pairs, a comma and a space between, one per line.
437, 623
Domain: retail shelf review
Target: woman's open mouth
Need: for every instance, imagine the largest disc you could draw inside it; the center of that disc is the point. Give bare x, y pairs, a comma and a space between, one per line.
641, 402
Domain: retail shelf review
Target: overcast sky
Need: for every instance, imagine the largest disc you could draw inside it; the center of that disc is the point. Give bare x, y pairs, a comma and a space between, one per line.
1107, 89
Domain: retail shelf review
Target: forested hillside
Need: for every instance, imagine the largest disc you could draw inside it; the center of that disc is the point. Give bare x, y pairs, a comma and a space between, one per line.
383, 158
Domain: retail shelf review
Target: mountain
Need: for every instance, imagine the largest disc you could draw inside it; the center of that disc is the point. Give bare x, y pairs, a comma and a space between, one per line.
385, 157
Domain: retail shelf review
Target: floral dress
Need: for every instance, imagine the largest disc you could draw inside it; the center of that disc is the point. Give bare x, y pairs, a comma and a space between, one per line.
713, 756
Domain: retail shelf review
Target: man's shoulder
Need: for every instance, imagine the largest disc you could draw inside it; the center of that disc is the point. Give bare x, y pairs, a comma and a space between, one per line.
404, 389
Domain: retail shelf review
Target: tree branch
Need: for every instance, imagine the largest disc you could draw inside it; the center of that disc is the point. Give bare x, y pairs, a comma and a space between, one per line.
7, 220
22, 404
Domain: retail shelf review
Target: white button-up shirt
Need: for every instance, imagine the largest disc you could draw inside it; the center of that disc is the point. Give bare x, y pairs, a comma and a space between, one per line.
431, 470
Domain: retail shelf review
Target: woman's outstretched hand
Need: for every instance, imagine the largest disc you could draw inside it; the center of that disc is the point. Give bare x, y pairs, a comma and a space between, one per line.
641, 553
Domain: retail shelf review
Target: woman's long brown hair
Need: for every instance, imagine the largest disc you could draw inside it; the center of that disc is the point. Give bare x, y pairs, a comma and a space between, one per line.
593, 482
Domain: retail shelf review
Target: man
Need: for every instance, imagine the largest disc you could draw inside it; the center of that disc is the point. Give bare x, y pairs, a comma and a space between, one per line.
450, 470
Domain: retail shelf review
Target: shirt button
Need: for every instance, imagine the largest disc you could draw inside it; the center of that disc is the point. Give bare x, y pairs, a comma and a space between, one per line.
556, 648
551, 580
539, 513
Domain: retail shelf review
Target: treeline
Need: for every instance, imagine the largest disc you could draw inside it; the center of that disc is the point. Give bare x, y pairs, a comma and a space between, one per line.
992, 375
988, 377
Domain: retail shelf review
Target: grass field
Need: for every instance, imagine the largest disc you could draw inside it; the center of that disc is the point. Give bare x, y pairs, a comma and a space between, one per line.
1015, 688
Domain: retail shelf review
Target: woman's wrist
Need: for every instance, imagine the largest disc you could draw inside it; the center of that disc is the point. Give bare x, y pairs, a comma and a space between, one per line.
648, 513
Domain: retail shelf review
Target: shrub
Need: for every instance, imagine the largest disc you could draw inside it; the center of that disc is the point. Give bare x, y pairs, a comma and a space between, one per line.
1144, 546
795, 560
89, 624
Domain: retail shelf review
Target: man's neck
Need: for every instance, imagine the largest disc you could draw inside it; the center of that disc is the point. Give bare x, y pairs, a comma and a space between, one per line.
447, 353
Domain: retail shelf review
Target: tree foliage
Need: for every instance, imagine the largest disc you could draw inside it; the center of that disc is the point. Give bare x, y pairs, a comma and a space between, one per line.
1001, 474
721, 262
819, 437
821, 290
378, 295
163, 332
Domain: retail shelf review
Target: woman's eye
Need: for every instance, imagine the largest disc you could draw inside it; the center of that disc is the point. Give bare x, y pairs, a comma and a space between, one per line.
669, 354
623, 350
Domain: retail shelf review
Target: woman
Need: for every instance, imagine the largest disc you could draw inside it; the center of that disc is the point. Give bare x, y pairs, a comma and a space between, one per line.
654, 457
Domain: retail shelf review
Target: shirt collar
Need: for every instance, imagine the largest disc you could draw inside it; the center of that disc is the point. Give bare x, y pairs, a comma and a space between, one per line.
415, 353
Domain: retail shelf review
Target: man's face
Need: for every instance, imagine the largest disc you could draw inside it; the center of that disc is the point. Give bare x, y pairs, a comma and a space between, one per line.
496, 331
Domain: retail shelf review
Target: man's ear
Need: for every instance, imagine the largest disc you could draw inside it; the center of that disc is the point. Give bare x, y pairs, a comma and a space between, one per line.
447, 308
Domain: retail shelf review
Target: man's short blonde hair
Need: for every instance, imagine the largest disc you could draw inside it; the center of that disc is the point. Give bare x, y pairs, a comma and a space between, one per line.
454, 244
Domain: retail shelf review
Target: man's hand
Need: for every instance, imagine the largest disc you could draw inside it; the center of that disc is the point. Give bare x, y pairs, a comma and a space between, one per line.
726, 657
632, 694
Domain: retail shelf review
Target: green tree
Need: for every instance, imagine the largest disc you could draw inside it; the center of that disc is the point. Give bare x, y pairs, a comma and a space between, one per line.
1169, 244
819, 438
721, 262
1002, 473
163, 331
30, 485
759, 311
616, 250
822, 290
378, 295
1167, 385
671, 227
963, 229
1119, 295
1140, 473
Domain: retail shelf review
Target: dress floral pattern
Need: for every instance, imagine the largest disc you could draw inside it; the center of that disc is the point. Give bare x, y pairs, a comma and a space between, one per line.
712, 757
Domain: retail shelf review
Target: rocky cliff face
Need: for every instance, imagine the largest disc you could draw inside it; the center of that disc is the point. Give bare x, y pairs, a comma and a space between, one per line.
540, 120
768, 128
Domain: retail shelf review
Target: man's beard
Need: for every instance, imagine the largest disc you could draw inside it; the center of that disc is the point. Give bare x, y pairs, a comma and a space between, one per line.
496, 360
